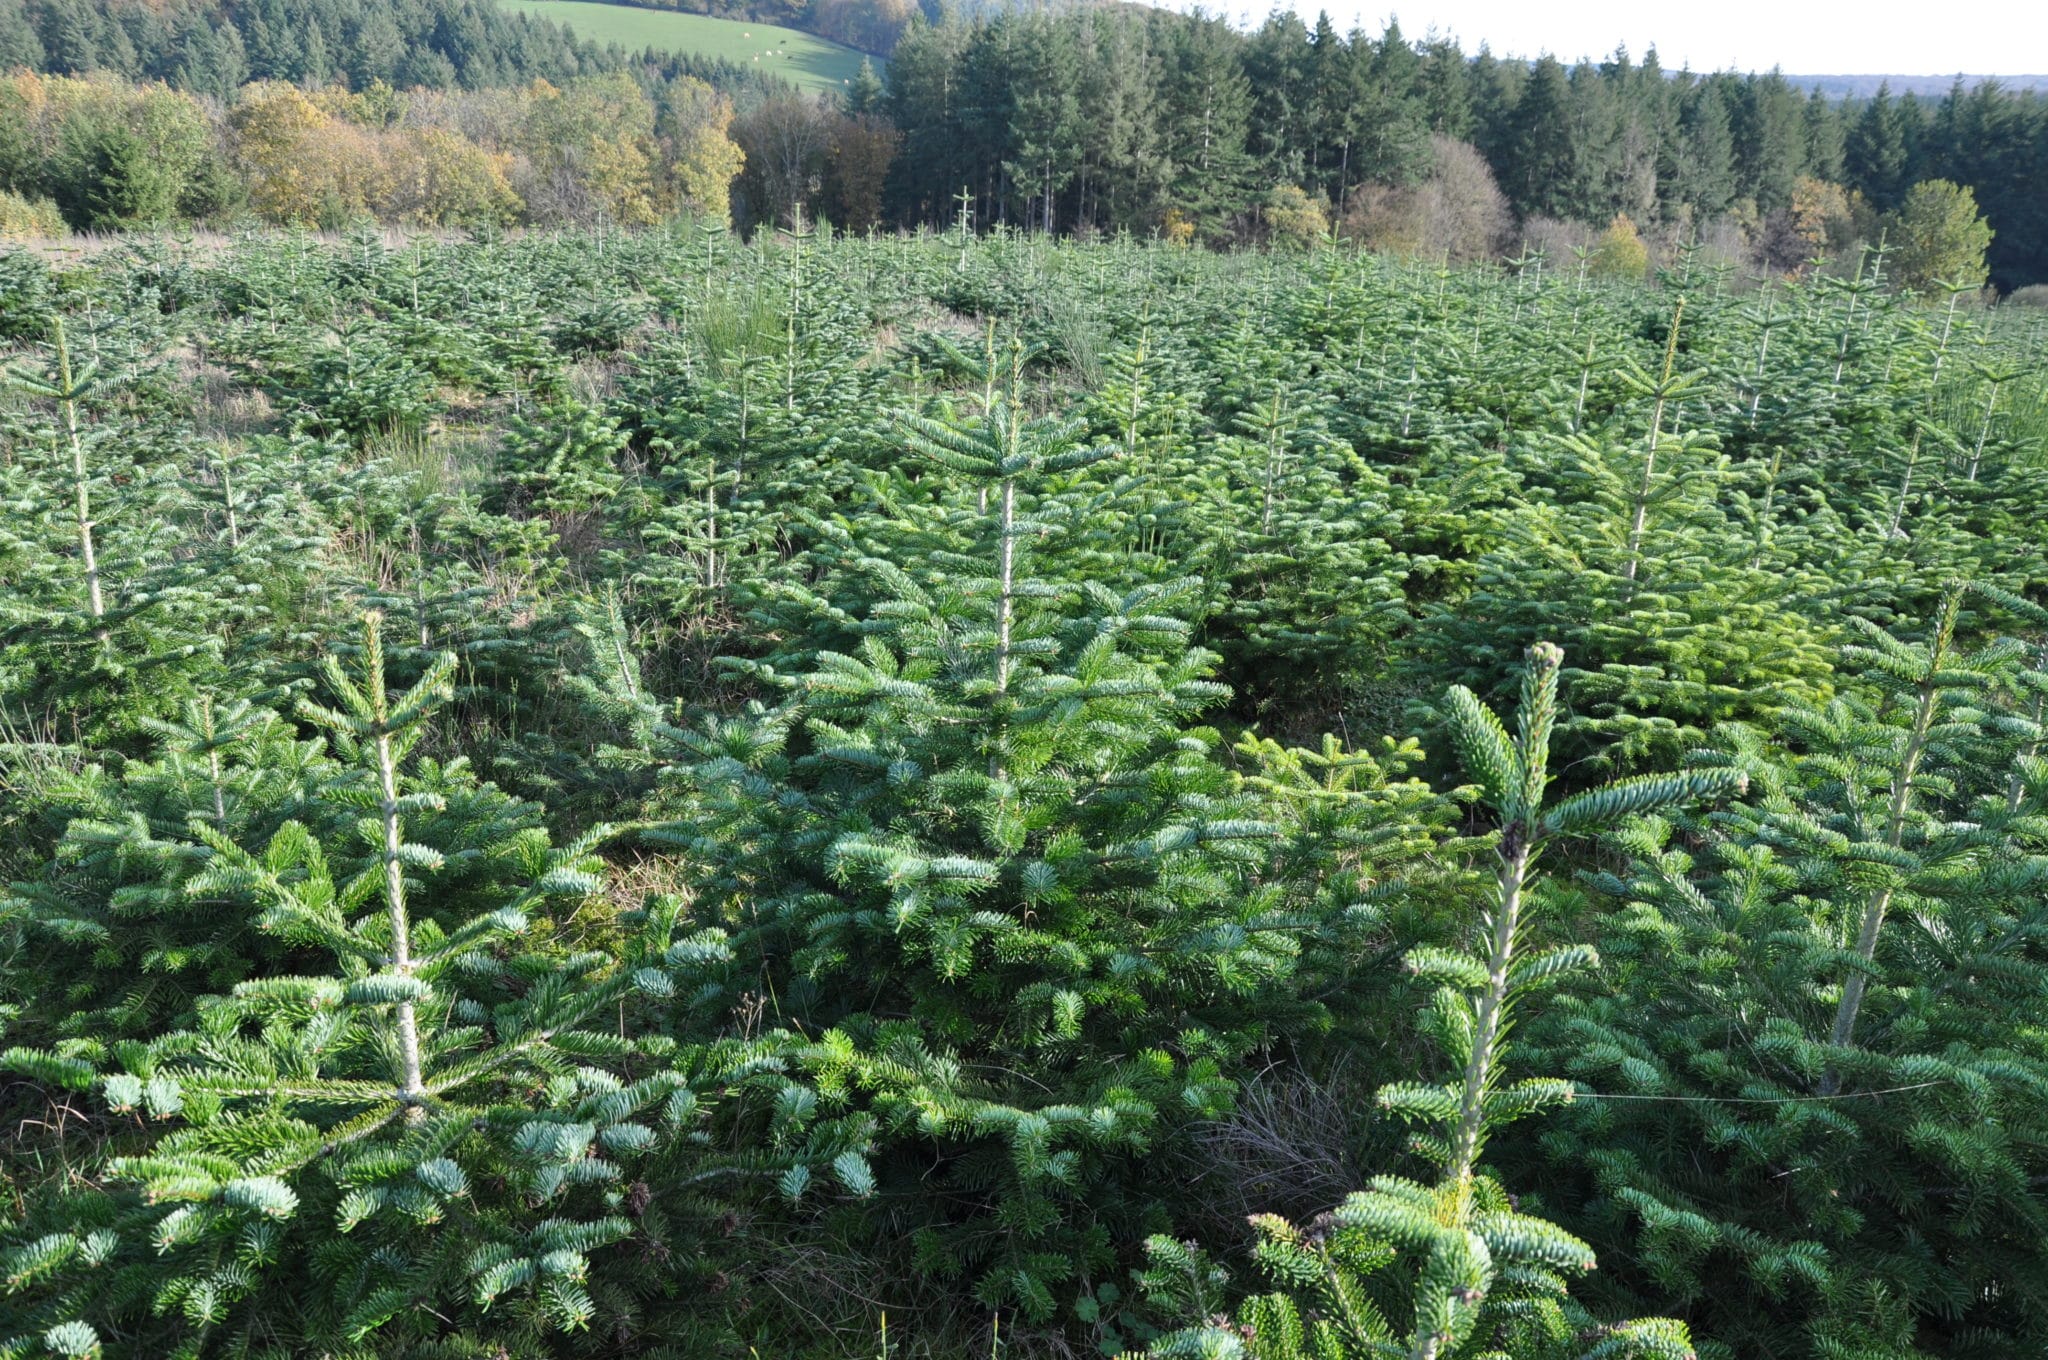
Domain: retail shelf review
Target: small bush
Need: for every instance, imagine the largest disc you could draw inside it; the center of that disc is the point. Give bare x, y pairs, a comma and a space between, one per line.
1295, 218
1620, 252
28, 218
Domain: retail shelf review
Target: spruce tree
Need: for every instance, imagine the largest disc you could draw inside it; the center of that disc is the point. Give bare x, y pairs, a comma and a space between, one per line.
1875, 152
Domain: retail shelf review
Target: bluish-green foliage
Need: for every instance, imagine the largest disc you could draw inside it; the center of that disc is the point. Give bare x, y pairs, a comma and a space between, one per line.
651, 796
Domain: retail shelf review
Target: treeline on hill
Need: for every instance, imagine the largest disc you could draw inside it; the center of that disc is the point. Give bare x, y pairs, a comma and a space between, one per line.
1129, 119
99, 154
638, 795
870, 25
1120, 119
214, 50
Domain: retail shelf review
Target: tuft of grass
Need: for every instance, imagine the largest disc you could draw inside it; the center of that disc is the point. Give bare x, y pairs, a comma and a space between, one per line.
443, 461
727, 325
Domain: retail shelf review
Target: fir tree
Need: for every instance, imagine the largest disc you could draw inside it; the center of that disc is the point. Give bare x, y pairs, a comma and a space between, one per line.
1487, 1278
1840, 1168
439, 1117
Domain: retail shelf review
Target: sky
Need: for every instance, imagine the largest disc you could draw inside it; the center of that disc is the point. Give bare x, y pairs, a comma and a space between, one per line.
1804, 37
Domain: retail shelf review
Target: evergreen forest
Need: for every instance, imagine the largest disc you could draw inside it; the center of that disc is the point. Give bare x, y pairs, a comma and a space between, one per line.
971, 793
1073, 118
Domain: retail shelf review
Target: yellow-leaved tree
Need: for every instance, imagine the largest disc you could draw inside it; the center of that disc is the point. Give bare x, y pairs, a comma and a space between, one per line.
591, 148
699, 156
305, 167
1294, 218
438, 177
1824, 215
1620, 252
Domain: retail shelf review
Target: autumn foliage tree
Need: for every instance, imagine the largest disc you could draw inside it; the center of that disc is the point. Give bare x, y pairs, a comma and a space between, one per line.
864, 146
1294, 218
436, 176
304, 166
1458, 213
590, 145
1620, 252
1939, 237
694, 127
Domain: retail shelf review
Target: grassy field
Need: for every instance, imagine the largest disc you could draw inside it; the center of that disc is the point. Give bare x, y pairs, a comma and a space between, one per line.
803, 59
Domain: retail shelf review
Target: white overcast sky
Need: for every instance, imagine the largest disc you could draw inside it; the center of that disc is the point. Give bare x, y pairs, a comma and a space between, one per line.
1805, 37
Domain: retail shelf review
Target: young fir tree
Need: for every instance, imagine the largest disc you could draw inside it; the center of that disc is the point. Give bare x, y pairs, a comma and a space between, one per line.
1823, 1094
1627, 554
98, 596
124, 952
1452, 1268
438, 1129
1307, 586
987, 857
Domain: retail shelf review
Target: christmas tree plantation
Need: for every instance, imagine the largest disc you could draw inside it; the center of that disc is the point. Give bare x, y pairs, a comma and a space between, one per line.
655, 795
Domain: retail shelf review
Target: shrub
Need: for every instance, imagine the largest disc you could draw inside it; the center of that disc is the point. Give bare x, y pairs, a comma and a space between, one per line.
1620, 252
1294, 219
28, 218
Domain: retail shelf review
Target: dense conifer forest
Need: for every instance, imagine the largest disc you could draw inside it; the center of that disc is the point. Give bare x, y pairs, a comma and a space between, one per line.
1073, 119
1108, 119
971, 794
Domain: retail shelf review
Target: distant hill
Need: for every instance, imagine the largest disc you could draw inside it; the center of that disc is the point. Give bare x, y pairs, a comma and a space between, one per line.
804, 59
1859, 87
215, 47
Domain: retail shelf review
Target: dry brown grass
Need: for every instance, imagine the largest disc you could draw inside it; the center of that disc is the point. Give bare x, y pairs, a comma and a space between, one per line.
1288, 1147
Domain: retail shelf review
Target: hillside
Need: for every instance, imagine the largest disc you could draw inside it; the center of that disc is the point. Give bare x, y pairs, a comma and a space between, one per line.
804, 59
